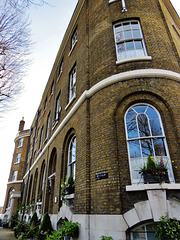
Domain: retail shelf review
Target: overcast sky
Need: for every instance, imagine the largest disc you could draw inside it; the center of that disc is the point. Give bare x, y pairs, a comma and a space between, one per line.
48, 27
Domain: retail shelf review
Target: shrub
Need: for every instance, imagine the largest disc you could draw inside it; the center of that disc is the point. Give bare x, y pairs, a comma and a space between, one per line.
33, 226
21, 227
34, 219
168, 229
45, 228
69, 228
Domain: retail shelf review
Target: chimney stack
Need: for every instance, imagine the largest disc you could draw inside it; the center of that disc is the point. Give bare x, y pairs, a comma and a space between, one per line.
21, 125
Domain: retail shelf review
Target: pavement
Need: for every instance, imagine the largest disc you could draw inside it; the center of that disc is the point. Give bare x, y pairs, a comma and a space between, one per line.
6, 234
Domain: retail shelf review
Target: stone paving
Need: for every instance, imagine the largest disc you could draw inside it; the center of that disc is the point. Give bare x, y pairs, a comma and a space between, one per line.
6, 234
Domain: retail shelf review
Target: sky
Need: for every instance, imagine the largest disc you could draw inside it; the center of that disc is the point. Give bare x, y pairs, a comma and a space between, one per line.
48, 25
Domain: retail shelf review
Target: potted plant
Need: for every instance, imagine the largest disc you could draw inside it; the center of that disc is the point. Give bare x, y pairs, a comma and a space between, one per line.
154, 172
67, 187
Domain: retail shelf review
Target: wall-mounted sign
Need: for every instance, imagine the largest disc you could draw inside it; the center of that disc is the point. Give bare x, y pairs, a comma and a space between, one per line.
102, 175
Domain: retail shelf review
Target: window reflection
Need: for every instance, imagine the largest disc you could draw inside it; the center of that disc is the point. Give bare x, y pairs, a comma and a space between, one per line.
147, 148
155, 127
134, 147
159, 147
143, 125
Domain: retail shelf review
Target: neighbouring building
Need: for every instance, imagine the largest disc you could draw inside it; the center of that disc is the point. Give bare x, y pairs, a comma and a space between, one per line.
17, 171
112, 99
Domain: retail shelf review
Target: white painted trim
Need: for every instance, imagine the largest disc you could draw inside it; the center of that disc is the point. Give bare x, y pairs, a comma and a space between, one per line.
156, 186
125, 76
52, 176
22, 135
72, 48
135, 59
72, 99
14, 182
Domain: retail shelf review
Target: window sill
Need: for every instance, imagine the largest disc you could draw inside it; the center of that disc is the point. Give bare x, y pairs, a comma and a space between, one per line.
59, 77
16, 163
135, 59
156, 186
50, 97
69, 196
45, 141
72, 49
72, 99
55, 122
111, 1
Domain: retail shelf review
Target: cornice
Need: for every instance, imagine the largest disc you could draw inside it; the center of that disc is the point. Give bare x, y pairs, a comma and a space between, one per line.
120, 77
59, 55
22, 135
15, 182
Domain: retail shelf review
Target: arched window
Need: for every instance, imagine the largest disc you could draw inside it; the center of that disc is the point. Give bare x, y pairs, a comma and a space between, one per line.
146, 232
145, 136
72, 157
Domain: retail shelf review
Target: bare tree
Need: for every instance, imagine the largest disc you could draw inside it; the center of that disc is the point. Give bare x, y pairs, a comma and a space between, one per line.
26, 3
14, 50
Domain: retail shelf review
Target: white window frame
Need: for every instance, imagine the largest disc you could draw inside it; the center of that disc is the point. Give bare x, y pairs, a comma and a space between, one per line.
74, 38
58, 107
71, 160
18, 157
40, 140
14, 176
45, 104
72, 83
135, 164
52, 88
132, 39
47, 126
20, 143
61, 67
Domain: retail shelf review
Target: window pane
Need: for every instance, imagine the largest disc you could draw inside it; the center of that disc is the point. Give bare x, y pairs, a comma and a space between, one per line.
132, 130
140, 53
127, 34
131, 115
121, 47
156, 127
143, 125
159, 147
134, 148
150, 232
129, 45
119, 36
126, 26
131, 53
118, 28
139, 233
121, 55
136, 33
138, 44
134, 25
146, 146
151, 113
140, 108
74, 152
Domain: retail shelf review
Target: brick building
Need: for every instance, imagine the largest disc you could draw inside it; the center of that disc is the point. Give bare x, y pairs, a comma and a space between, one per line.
14, 186
111, 100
